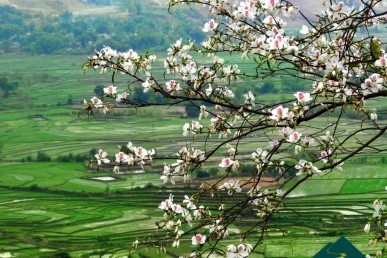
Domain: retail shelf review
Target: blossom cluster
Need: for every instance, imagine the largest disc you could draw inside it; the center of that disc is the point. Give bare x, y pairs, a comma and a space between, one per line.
125, 62
344, 67
176, 215
378, 224
129, 155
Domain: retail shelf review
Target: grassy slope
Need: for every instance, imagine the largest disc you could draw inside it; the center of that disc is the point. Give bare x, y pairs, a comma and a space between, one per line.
35, 117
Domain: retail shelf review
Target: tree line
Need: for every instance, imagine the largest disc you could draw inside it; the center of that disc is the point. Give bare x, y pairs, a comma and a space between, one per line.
65, 33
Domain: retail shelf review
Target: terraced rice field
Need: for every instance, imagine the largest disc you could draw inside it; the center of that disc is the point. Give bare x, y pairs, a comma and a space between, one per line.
50, 207
59, 207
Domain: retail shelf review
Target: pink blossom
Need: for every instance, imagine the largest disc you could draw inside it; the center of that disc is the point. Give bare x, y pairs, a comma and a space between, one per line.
247, 9
324, 156
172, 85
130, 54
96, 102
327, 138
167, 204
231, 187
141, 152
190, 204
167, 174
198, 239
239, 251
122, 97
279, 113
302, 97
308, 141
210, 26
147, 84
269, 20
278, 42
270, 4
176, 208
286, 131
121, 157
228, 93
226, 162
101, 157
294, 137
304, 166
381, 62
110, 90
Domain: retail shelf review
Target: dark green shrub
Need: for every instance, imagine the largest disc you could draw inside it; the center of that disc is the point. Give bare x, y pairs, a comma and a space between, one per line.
42, 157
213, 171
192, 110
267, 87
248, 169
202, 174
61, 255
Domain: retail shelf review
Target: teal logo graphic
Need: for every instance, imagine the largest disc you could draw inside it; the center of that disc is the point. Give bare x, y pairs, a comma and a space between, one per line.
342, 248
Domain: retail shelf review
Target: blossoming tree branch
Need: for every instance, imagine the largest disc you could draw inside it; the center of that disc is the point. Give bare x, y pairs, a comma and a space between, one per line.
333, 51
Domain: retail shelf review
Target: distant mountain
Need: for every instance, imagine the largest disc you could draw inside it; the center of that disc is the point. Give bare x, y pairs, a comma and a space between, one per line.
120, 7
81, 7
92, 7
51, 6
81, 26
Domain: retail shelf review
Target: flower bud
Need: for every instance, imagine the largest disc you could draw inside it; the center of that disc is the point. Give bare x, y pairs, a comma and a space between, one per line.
367, 228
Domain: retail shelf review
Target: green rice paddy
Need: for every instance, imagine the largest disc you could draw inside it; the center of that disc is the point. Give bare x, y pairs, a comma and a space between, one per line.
48, 208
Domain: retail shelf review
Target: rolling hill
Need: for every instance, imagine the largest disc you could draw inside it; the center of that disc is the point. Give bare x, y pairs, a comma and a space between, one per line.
77, 7
81, 7
47, 6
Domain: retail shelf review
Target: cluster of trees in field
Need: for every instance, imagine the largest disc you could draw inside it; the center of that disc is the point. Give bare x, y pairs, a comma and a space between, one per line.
42, 156
7, 86
69, 34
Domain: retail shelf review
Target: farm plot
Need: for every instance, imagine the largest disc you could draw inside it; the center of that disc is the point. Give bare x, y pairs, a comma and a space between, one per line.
93, 219
71, 177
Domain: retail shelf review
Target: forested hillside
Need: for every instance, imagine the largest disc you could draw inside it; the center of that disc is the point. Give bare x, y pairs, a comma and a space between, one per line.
81, 26
37, 27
